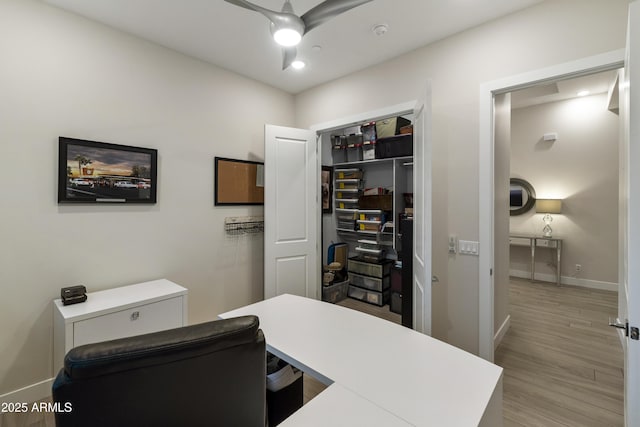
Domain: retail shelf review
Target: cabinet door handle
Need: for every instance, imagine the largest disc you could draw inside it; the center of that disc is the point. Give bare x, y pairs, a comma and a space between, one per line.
134, 315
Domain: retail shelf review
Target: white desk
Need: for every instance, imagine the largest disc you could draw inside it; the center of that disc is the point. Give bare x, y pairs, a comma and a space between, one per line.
377, 366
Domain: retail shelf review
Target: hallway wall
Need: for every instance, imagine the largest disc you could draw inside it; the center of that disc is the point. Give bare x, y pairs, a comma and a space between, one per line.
581, 168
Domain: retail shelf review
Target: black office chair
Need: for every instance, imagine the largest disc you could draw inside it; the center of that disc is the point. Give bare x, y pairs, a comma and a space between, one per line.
210, 374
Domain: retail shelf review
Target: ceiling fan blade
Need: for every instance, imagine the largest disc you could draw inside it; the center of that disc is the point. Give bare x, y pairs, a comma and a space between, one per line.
288, 56
273, 16
326, 10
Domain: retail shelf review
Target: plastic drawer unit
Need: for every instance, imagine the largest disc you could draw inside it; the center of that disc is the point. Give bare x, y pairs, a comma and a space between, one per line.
372, 297
371, 283
358, 266
335, 292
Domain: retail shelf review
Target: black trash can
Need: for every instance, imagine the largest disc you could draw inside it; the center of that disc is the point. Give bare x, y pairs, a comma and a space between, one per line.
284, 390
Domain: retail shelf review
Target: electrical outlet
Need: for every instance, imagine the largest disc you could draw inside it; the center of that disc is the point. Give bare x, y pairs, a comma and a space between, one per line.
578, 267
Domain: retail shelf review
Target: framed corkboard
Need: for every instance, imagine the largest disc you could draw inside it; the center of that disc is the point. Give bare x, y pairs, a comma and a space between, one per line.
238, 182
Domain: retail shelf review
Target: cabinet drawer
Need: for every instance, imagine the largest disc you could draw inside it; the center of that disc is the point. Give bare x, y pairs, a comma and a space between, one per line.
154, 317
546, 243
373, 283
372, 297
375, 269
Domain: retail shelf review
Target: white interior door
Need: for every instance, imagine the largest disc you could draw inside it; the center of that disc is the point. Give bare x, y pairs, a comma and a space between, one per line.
422, 213
290, 212
629, 292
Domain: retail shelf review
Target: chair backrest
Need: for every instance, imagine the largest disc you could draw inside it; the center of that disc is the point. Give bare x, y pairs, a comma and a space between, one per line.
210, 374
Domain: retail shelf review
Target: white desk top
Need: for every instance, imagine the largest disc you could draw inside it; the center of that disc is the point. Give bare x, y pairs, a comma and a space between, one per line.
414, 377
339, 407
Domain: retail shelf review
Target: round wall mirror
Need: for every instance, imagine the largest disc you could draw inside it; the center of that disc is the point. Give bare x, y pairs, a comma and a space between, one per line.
522, 196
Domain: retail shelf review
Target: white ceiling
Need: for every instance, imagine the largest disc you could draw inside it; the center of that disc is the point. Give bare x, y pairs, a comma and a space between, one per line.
563, 89
239, 39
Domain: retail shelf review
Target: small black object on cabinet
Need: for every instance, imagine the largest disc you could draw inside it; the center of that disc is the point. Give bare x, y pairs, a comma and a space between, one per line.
73, 294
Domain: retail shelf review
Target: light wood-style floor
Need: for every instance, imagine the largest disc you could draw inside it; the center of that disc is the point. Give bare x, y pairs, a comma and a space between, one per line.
563, 366
562, 363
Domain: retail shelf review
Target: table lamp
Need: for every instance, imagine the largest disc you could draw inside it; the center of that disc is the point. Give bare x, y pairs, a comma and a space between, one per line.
547, 207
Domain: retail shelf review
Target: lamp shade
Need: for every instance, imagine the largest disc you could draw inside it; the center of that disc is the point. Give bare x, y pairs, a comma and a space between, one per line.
552, 206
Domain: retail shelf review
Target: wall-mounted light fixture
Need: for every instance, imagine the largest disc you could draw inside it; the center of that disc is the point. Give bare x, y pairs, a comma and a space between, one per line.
547, 207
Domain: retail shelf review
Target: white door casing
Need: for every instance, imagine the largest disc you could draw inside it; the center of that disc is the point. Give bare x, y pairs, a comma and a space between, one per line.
292, 188
290, 212
421, 109
606, 61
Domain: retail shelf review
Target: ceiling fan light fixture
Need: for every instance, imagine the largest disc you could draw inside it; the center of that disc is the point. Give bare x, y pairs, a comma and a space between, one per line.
298, 65
287, 28
287, 37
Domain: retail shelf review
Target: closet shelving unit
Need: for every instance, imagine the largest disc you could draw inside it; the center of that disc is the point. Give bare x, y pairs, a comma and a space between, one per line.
370, 233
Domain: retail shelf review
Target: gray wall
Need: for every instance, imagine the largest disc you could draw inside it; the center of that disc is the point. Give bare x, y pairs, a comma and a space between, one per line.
64, 75
581, 168
546, 34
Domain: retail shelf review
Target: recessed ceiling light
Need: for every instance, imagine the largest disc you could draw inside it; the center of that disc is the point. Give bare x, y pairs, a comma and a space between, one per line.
583, 93
298, 65
316, 48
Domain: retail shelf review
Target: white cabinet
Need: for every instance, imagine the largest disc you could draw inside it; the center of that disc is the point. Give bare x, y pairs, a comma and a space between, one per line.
117, 313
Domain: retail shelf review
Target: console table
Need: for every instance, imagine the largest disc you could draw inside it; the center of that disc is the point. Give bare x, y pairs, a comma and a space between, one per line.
379, 373
539, 241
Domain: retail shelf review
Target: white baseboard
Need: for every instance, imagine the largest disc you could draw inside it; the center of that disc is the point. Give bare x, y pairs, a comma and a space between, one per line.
30, 393
502, 331
566, 280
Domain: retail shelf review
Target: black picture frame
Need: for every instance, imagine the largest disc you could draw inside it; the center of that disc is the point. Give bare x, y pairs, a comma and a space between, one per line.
238, 182
326, 184
101, 172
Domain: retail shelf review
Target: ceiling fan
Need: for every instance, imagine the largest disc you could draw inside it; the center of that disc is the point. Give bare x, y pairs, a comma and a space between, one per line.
288, 28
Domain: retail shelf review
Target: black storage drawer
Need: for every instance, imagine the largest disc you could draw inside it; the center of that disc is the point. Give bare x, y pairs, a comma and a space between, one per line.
395, 306
395, 146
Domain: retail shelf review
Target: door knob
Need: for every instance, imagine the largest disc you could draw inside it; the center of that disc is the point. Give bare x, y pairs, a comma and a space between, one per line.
631, 332
616, 323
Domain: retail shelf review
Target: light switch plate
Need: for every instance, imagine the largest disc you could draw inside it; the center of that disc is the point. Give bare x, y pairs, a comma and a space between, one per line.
468, 247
